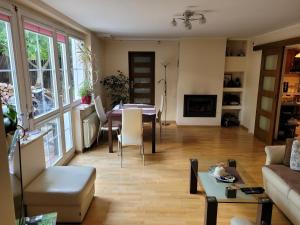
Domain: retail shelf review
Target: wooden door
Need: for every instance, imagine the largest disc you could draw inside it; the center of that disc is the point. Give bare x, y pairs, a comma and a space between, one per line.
142, 77
268, 93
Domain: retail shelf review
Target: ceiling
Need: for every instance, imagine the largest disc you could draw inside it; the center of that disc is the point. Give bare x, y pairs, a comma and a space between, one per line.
151, 18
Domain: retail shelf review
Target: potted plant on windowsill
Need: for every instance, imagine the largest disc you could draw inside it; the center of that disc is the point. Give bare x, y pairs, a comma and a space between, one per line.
85, 92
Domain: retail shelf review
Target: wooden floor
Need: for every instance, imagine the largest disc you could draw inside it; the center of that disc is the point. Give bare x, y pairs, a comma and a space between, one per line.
157, 193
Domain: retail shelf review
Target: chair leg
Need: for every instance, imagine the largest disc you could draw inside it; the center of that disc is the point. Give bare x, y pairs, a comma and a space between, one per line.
121, 156
99, 132
118, 148
160, 128
143, 154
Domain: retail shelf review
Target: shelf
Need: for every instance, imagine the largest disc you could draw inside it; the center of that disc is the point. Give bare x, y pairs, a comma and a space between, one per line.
232, 107
227, 89
235, 63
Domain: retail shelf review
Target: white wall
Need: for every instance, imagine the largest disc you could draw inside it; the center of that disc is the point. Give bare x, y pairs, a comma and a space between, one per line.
253, 69
201, 71
7, 215
116, 58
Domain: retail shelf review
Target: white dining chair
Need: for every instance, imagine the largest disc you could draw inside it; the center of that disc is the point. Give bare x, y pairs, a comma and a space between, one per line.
160, 111
132, 131
103, 119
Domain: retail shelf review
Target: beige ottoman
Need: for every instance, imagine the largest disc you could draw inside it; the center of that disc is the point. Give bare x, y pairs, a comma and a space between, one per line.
67, 190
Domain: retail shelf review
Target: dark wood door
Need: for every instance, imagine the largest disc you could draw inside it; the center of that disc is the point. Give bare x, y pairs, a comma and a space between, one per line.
268, 93
142, 77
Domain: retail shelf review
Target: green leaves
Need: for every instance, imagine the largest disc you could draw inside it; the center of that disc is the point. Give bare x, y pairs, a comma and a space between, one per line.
3, 39
10, 117
117, 87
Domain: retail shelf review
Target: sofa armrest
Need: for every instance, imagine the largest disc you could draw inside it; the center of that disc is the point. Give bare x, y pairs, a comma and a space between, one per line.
275, 154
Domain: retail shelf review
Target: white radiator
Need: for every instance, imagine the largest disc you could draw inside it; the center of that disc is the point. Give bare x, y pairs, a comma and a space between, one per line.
90, 129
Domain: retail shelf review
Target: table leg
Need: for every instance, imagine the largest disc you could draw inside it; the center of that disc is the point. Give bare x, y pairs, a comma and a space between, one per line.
153, 134
110, 141
211, 210
264, 212
193, 176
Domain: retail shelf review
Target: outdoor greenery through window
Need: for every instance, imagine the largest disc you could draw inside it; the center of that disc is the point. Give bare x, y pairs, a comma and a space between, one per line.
39, 47
8, 82
63, 70
77, 66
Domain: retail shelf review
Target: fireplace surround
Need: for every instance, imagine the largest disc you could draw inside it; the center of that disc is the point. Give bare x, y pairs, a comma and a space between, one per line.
200, 105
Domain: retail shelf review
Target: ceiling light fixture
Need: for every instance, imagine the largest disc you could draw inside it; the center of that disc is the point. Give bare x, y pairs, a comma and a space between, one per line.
189, 16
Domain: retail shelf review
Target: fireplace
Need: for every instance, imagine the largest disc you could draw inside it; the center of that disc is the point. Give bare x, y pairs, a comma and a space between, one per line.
200, 105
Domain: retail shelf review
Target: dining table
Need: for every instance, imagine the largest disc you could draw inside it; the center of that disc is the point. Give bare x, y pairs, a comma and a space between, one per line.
149, 115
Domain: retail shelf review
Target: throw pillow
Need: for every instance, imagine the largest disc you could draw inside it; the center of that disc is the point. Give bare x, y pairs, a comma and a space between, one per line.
295, 156
288, 150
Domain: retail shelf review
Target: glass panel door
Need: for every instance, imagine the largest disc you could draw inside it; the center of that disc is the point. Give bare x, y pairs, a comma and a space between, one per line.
142, 77
268, 93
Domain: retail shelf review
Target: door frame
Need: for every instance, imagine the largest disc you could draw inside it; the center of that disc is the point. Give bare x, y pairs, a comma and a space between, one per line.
269, 46
141, 53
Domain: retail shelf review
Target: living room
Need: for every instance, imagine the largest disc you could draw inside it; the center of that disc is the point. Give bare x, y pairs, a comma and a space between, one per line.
206, 100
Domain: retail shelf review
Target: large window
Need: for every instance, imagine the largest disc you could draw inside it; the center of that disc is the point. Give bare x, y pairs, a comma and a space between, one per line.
8, 81
77, 66
39, 47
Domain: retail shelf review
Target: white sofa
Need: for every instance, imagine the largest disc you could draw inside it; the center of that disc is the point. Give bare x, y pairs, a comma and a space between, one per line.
281, 183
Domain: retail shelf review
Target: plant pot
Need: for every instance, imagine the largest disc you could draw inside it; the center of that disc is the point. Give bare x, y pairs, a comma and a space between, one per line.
86, 99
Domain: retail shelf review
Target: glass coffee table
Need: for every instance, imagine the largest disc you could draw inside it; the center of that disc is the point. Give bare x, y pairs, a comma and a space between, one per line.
215, 194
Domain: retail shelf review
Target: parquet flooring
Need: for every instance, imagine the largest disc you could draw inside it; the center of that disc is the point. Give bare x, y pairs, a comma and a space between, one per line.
157, 193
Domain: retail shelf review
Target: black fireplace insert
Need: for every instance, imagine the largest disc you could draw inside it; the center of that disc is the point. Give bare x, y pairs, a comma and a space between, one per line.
200, 105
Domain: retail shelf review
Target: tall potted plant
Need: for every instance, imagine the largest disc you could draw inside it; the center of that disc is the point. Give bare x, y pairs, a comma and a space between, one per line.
91, 74
117, 87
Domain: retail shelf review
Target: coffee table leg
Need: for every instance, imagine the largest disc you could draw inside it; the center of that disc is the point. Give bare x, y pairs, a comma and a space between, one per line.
264, 212
211, 210
193, 176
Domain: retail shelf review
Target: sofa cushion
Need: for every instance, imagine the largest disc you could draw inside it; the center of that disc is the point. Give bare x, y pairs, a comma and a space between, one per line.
290, 177
60, 185
288, 150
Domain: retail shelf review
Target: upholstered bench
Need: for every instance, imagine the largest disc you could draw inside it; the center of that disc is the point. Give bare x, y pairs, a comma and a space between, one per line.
67, 190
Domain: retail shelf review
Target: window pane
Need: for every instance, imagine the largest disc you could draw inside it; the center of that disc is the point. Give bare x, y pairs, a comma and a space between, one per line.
42, 72
43, 91
266, 103
77, 66
68, 131
271, 62
8, 81
52, 142
269, 83
264, 123
64, 81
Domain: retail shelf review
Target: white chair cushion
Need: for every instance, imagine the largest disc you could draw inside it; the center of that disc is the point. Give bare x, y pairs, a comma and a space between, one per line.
60, 185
